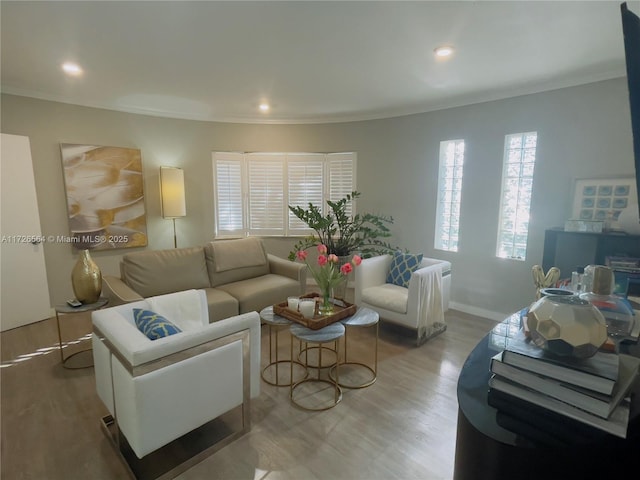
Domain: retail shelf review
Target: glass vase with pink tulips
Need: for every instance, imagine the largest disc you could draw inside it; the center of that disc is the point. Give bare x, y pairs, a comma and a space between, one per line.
328, 274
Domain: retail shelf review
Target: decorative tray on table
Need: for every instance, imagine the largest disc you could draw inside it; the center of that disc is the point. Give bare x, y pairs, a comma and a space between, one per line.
341, 310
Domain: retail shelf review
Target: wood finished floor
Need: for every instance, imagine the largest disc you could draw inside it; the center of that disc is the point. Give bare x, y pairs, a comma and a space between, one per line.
401, 427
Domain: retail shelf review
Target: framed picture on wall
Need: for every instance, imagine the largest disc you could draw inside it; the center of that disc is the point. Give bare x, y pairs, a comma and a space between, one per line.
105, 196
602, 199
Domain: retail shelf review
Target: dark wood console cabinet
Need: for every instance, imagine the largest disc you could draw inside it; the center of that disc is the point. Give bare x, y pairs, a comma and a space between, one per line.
568, 250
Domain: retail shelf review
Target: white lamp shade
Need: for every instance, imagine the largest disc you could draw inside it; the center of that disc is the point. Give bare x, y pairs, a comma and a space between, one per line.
172, 192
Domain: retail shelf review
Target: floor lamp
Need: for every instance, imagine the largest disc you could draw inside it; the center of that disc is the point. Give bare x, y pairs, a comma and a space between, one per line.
172, 196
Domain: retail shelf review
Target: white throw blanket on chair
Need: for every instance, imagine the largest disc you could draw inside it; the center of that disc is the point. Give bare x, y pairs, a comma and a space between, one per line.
430, 304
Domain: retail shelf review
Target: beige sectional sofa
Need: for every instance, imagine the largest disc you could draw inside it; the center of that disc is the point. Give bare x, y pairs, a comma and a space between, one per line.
238, 276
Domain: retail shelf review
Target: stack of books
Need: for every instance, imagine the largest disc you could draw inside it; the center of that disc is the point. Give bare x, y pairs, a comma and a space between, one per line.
556, 400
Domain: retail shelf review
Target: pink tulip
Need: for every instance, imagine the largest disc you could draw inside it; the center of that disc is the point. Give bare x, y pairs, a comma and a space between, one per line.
301, 255
333, 258
322, 249
346, 269
357, 260
322, 260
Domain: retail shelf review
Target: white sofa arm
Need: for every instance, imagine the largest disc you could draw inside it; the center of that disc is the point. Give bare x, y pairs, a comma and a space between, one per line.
444, 264
134, 349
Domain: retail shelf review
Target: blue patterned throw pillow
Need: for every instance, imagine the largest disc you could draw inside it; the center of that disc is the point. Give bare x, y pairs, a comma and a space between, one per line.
402, 266
153, 325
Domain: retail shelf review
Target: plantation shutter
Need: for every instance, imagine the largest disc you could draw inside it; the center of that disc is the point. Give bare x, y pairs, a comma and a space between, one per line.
266, 194
304, 172
253, 191
342, 179
227, 168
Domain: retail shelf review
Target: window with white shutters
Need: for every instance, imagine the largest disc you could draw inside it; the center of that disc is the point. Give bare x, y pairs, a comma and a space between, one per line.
306, 184
253, 190
266, 202
229, 193
341, 177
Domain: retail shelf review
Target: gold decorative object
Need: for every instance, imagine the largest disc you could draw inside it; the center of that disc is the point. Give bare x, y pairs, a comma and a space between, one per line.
541, 280
86, 279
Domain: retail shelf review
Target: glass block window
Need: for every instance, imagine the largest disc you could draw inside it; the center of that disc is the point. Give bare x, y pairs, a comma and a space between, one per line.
449, 195
517, 185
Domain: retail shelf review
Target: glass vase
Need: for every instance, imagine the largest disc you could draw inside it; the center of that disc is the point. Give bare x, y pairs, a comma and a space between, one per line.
326, 305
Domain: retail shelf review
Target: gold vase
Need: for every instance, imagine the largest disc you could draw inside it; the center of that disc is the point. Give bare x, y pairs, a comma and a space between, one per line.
86, 279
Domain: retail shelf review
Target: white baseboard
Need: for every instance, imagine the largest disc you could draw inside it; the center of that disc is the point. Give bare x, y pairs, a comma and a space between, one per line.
480, 312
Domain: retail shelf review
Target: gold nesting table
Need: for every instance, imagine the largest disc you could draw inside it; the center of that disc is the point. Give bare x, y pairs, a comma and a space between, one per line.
363, 318
329, 334
277, 323
67, 310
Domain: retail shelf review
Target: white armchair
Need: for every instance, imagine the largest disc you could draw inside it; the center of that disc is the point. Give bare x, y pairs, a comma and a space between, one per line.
420, 307
159, 390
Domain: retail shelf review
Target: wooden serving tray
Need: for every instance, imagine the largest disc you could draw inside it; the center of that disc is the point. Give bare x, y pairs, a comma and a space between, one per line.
341, 310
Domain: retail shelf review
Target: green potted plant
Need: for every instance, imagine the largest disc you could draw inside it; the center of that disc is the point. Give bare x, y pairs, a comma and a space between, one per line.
341, 233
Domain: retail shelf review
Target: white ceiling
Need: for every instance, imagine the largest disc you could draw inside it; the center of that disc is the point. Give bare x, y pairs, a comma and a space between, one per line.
312, 61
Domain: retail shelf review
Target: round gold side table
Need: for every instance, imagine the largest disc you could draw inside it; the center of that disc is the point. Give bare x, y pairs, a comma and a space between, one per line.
67, 309
363, 318
278, 323
330, 333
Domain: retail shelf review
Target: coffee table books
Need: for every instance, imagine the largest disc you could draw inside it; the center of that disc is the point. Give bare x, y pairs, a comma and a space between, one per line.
598, 373
616, 424
593, 402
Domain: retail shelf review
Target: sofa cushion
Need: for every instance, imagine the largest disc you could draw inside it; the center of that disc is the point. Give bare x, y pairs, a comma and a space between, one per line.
387, 296
402, 266
257, 293
221, 305
158, 272
153, 325
235, 260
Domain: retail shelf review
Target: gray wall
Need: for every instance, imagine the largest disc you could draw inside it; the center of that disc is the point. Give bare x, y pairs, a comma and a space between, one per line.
582, 132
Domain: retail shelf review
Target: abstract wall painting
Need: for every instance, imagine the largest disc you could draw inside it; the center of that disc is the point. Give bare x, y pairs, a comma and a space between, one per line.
105, 196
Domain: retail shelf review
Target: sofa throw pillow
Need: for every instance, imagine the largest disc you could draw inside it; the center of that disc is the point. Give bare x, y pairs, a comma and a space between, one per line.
153, 325
402, 266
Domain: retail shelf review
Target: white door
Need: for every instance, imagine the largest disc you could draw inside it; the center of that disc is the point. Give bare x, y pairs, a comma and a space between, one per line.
24, 292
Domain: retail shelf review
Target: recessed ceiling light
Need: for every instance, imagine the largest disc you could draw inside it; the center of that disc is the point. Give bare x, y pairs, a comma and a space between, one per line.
444, 51
264, 107
72, 68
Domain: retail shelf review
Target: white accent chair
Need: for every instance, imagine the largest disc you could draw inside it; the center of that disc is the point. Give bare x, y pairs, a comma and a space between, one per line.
159, 390
420, 307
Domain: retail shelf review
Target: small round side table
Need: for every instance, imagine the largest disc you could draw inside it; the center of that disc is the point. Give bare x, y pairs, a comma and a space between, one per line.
364, 317
68, 309
330, 333
278, 323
